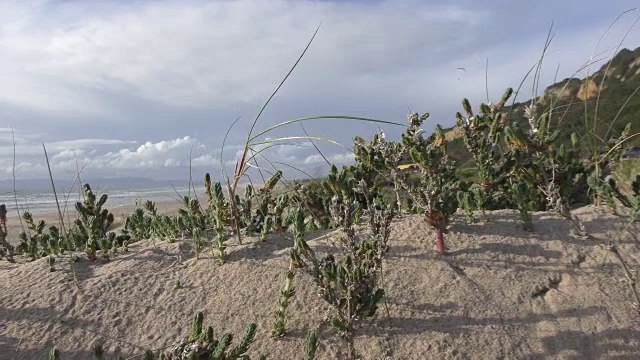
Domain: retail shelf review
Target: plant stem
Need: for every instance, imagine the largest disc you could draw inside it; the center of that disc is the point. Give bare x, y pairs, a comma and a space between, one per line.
350, 348
441, 248
55, 194
629, 276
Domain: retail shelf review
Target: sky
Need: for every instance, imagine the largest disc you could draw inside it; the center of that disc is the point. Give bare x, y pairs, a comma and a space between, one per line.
137, 88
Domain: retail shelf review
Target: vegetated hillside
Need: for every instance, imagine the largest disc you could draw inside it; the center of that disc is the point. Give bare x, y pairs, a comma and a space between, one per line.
613, 103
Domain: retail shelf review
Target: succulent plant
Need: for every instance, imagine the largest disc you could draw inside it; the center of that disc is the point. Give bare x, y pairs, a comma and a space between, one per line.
6, 249
287, 293
349, 281
202, 344
190, 216
437, 187
54, 354
311, 346
380, 164
139, 225
219, 210
483, 135
93, 223
37, 243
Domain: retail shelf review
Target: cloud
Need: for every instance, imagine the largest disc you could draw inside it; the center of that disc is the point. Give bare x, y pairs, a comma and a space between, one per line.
169, 159
215, 54
26, 146
336, 159
134, 86
151, 155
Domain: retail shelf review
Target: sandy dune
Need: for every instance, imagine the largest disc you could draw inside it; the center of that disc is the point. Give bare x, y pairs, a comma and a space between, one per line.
481, 302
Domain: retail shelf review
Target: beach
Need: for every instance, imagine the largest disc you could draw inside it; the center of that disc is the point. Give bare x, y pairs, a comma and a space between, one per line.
121, 207
503, 293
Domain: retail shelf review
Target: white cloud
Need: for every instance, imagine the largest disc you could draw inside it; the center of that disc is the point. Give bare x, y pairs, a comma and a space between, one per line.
208, 54
168, 157
26, 146
337, 159
89, 76
169, 153
61, 56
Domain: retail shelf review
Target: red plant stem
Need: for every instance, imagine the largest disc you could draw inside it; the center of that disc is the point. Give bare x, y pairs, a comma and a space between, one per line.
441, 249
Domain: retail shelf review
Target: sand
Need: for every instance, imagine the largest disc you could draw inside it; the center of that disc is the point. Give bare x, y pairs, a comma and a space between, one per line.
480, 302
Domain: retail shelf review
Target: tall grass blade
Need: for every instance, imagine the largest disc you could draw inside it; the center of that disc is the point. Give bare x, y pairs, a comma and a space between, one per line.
53, 187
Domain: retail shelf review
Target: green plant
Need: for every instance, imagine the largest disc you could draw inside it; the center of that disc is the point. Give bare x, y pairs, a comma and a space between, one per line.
525, 205
198, 241
279, 326
139, 225
269, 210
92, 226
245, 208
190, 216
278, 213
482, 136
146, 223
6, 249
348, 283
54, 354
314, 199
219, 210
202, 344
613, 244
29, 244
542, 174
51, 260
98, 351
601, 179
36, 243
286, 294
164, 226
311, 346
437, 187
377, 162
467, 201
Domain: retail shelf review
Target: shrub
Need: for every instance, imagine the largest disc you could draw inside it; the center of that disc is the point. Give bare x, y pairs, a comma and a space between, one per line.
92, 226
349, 282
437, 186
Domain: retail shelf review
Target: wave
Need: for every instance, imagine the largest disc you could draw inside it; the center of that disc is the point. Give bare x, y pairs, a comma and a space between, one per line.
44, 202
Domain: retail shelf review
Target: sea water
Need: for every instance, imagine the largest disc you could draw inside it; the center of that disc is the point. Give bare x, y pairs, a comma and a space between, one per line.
42, 201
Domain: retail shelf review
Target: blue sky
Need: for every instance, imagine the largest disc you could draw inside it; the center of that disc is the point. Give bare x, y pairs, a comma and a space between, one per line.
132, 88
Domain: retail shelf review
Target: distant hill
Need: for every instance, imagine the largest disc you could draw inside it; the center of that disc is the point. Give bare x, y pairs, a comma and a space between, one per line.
621, 83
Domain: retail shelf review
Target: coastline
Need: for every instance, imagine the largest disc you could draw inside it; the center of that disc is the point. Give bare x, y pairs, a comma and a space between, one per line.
51, 217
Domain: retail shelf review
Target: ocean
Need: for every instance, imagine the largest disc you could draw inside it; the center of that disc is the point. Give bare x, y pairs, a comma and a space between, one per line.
42, 201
